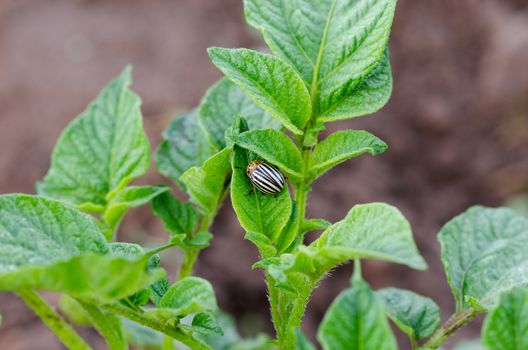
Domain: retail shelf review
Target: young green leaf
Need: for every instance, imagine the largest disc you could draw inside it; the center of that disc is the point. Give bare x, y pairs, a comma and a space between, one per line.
276, 148
315, 224
184, 145
190, 295
333, 44
224, 100
506, 327
375, 230
129, 197
257, 212
484, 254
159, 287
101, 151
340, 146
263, 243
205, 323
356, 320
416, 315
269, 81
289, 233
177, 217
207, 185
47, 245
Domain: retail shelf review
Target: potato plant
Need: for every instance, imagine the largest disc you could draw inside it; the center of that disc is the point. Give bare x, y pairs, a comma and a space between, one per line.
329, 61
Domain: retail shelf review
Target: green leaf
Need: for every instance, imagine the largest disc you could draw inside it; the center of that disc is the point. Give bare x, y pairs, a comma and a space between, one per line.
356, 320
184, 145
177, 217
225, 100
334, 45
207, 185
341, 146
301, 342
257, 212
159, 287
129, 197
190, 295
205, 323
276, 148
367, 98
101, 151
369, 231
199, 240
414, 314
314, 225
47, 245
269, 81
474, 344
289, 232
484, 252
506, 327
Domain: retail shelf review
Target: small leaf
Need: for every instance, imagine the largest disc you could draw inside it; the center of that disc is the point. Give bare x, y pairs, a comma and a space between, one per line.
178, 217
334, 45
506, 327
356, 320
289, 232
484, 254
159, 287
207, 185
225, 100
269, 81
276, 148
204, 323
101, 151
47, 245
190, 295
414, 314
129, 197
257, 212
184, 145
314, 225
301, 342
341, 146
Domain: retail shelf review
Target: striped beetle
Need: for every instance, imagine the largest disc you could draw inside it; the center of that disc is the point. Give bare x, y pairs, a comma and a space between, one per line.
265, 177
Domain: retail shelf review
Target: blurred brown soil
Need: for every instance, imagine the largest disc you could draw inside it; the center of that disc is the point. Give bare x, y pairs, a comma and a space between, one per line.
457, 125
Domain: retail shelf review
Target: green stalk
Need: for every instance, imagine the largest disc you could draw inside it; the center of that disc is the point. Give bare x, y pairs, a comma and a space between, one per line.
108, 326
189, 259
69, 337
145, 320
455, 322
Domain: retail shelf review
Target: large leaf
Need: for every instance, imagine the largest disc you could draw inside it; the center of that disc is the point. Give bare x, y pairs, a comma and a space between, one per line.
224, 100
506, 327
416, 315
369, 231
341, 146
257, 212
184, 145
207, 184
178, 217
333, 44
355, 321
276, 148
484, 252
47, 245
269, 81
101, 150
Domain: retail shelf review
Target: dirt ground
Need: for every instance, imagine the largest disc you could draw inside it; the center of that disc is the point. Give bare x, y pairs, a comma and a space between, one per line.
457, 126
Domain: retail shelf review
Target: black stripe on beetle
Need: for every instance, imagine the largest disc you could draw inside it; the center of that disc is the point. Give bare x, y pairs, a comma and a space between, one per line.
265, 177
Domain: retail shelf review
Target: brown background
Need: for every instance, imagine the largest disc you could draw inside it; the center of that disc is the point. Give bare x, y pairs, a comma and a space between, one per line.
457, 125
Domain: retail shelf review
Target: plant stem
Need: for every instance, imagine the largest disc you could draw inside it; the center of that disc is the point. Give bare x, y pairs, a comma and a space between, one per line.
56, 323
455, 322
189, 258
147, 321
